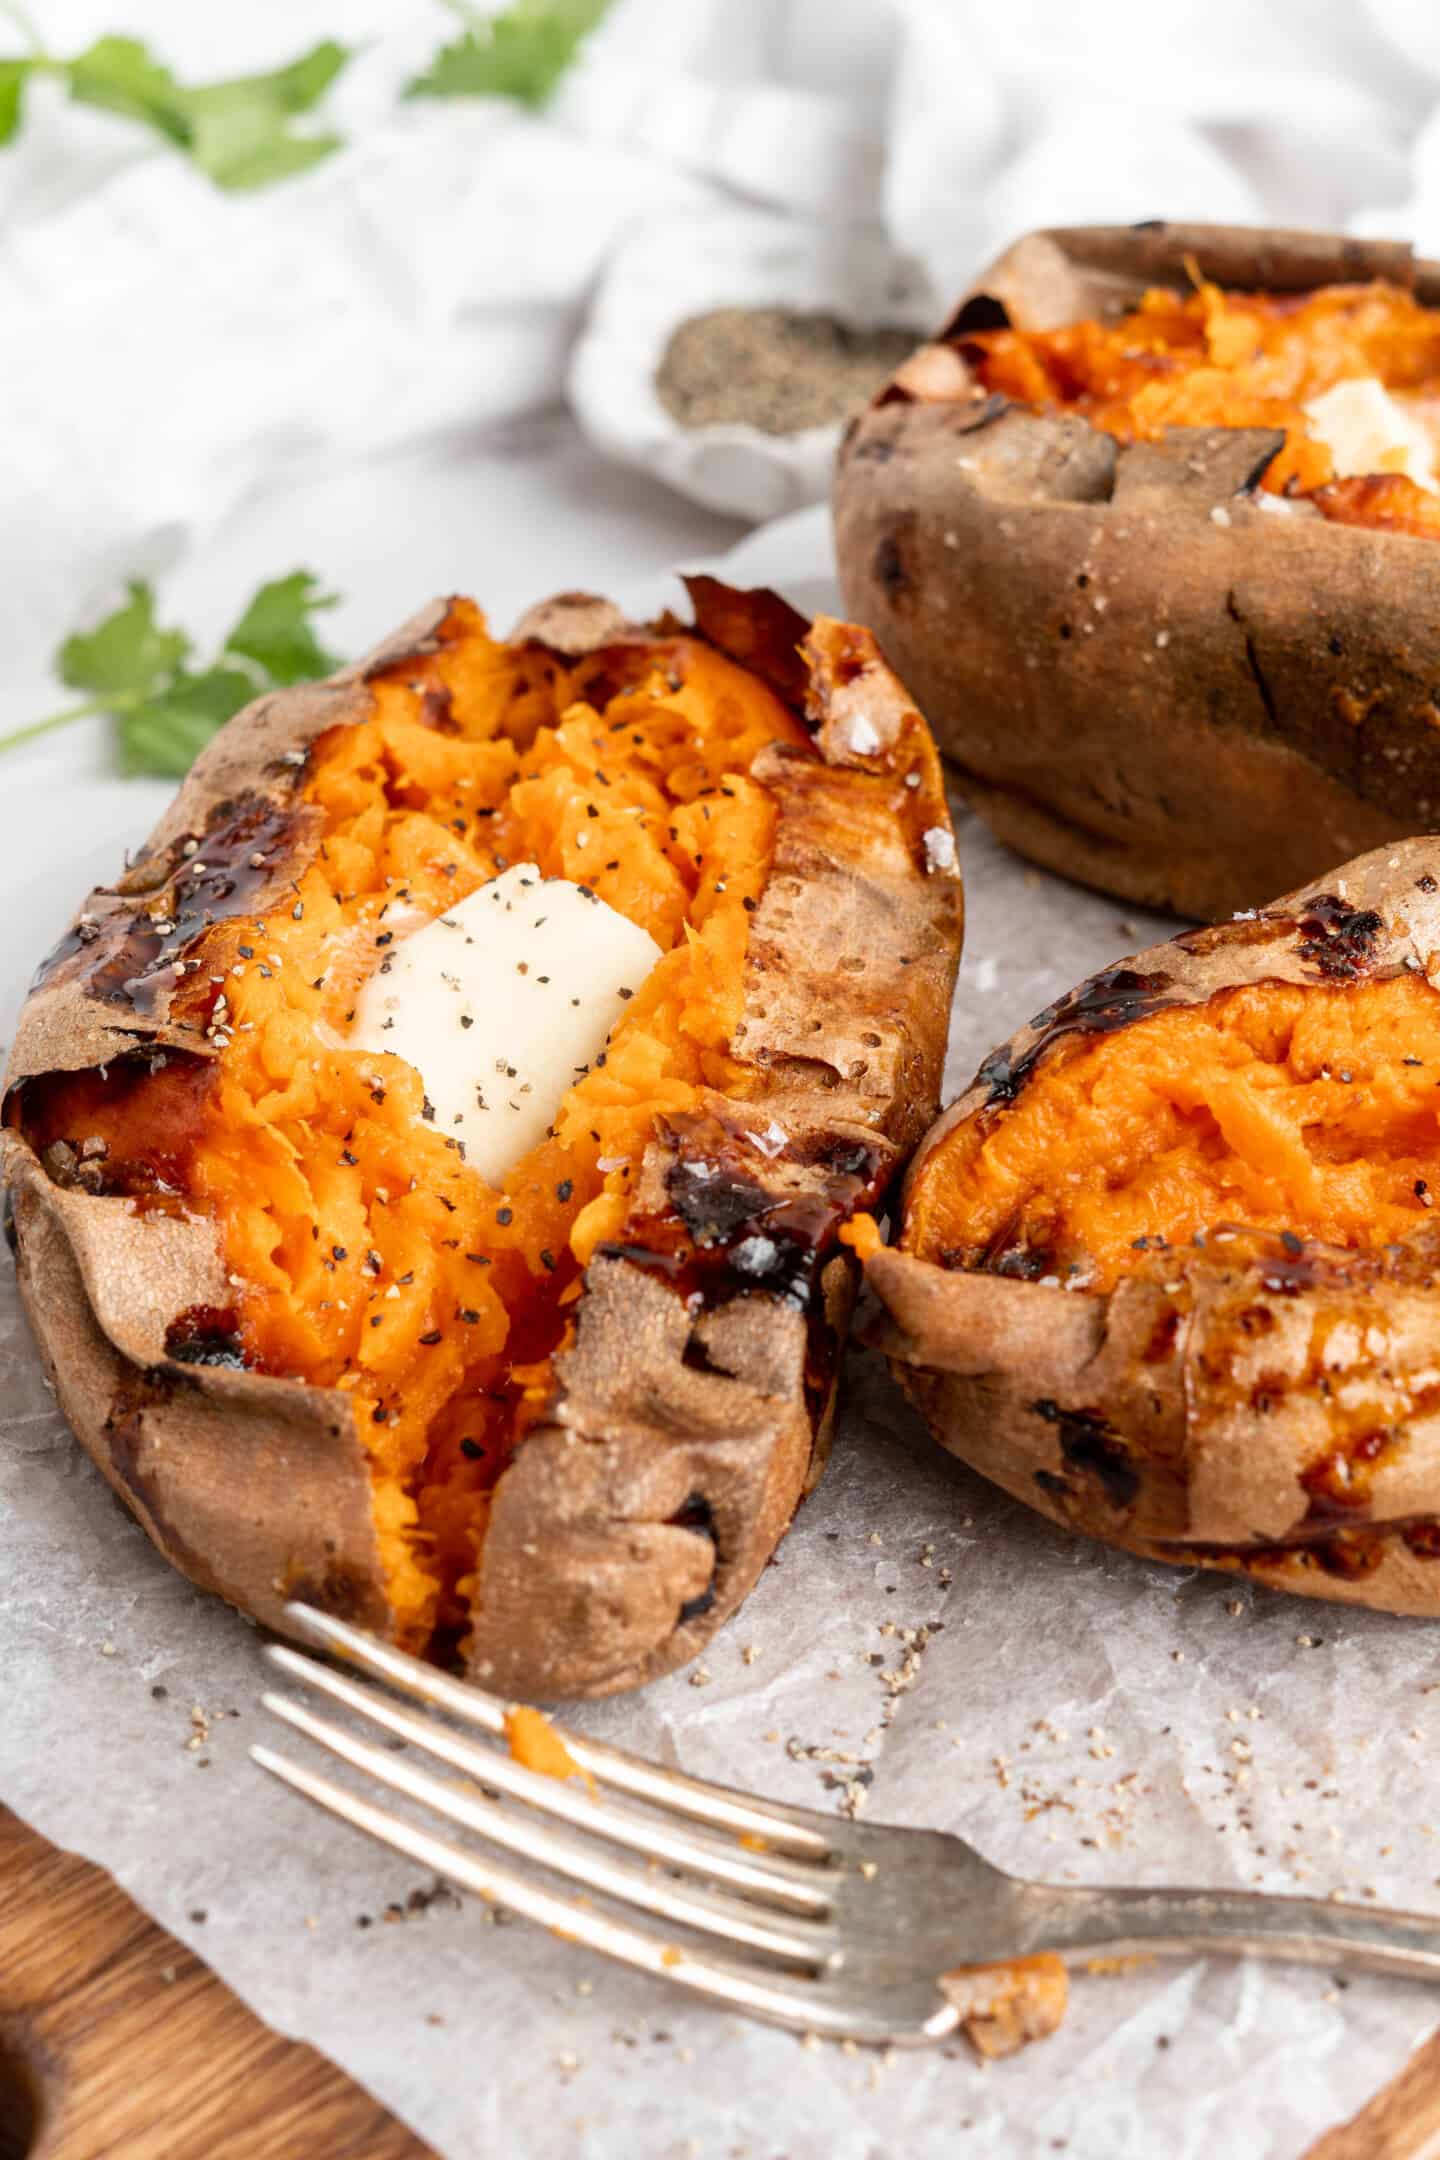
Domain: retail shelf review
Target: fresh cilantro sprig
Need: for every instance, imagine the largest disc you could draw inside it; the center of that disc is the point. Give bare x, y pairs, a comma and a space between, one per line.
165, 710
241, 132
520, 54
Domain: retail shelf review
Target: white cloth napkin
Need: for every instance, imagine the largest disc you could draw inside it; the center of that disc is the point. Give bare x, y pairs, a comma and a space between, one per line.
979, 121
170, 353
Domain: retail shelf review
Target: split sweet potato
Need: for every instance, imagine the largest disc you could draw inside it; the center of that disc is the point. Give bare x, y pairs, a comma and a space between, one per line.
1170, 651
558, 1428
1169, 1271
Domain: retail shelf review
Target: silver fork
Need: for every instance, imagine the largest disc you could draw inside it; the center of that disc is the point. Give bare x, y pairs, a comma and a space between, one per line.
846, 1929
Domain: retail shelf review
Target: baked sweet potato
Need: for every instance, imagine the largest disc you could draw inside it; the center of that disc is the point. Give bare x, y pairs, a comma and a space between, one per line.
1169, 1271
1176, 646
553, 1424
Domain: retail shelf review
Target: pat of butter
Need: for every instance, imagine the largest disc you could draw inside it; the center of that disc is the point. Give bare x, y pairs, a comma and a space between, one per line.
1367, 431
501, 1004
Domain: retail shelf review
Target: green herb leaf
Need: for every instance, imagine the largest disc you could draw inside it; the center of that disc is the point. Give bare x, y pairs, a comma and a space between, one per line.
276, 632
242, 138
238, 132
520, 54
164, 711
304, 82
127, 655
165, 735
13, 75
121, 75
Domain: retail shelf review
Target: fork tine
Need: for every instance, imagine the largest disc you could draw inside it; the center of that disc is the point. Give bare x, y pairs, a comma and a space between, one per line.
797, 1831
741, 1924
775, 1879
784, 1998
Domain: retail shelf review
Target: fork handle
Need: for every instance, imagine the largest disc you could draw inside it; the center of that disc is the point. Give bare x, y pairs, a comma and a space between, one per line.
1171, 1923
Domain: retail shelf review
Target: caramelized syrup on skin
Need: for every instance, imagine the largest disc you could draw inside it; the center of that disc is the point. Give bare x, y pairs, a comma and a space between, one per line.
224, 874
207, 1335
725, 1234
147, 1112
1088, 1442
1110, 1000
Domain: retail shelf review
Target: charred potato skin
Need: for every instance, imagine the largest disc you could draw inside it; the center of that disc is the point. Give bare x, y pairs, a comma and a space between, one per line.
693, 1409
1182, 1415
1147, 679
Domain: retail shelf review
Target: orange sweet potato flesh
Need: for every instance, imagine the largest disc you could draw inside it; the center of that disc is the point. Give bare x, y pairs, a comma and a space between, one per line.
1216, 358
365, 1256
1310, 1110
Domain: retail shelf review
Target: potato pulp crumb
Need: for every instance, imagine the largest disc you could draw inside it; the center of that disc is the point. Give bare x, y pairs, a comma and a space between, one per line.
1004, 2007
536, 1745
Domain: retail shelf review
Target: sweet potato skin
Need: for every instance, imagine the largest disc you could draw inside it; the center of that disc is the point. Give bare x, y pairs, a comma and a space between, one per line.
1184, 1414
1147, 679
683, 1429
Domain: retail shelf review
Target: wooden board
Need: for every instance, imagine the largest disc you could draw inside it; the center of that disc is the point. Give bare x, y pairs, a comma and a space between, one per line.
1402, 2122
117, 2042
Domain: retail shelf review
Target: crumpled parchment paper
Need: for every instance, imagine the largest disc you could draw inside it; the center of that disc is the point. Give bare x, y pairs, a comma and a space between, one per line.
922, 1646
920, 1640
